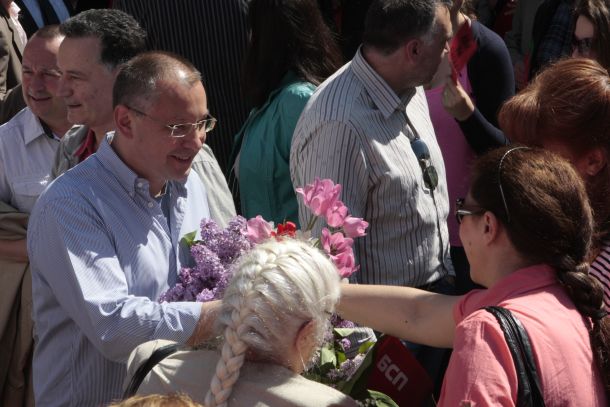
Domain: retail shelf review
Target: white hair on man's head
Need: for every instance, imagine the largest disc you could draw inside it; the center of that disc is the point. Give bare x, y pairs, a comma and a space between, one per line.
277, 287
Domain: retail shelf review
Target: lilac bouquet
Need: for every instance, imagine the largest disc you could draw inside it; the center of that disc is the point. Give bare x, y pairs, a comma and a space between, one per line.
216, 252
213, 254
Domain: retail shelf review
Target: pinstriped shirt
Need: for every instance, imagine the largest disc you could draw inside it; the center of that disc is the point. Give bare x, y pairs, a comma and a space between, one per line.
101, 253
354, 130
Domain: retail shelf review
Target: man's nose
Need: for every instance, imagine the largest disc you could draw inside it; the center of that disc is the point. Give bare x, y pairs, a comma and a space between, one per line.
195, 138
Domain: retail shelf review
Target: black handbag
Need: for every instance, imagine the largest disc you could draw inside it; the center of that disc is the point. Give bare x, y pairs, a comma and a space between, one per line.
528, 390
157, 356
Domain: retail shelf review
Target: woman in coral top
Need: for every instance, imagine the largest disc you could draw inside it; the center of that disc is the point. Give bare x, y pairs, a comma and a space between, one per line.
526, 226
566, 109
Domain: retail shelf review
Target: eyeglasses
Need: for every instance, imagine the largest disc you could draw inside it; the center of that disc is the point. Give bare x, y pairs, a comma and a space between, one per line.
582, 46
460, 212
420, 148
183, 129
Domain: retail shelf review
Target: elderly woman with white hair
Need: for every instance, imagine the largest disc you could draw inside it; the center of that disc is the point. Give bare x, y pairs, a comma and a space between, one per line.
274, 315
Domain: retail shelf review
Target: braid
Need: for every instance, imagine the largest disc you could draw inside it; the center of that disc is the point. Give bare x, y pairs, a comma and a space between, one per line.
276, 288
234, 348
587, 294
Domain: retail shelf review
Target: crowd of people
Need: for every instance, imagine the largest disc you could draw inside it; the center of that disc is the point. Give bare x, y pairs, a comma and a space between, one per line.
472, 136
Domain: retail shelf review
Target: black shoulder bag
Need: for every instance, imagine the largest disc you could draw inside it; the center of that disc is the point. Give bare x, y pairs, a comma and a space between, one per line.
528, 390
138, 377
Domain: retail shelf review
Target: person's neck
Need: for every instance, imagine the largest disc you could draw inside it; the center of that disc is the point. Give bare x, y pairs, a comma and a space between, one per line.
58, 127
388, 67
123, 150
502, 264
100, 133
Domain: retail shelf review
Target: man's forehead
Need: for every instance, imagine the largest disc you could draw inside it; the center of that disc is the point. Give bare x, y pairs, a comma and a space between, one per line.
80, 49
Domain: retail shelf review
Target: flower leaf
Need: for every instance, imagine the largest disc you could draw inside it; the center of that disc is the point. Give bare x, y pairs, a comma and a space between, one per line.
343, 332
327, 355
189, 239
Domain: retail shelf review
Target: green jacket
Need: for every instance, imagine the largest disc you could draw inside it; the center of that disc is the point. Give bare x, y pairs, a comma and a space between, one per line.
262, 148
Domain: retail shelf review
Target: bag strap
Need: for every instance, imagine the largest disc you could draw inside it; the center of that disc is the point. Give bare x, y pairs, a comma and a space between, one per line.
528, 390
157, 356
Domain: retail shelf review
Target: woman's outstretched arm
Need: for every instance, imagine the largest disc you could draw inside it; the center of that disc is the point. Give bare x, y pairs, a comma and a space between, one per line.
408, 313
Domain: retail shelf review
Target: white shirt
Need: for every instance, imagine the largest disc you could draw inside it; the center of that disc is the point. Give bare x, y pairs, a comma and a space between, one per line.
26, 157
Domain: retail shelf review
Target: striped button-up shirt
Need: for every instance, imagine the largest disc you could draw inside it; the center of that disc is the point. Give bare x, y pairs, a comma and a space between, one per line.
355, 131
101, 252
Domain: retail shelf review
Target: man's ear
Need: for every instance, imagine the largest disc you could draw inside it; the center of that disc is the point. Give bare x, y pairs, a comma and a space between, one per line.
122, 121
413, 50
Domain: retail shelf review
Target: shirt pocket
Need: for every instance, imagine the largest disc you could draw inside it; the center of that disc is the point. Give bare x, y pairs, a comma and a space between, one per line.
26, 190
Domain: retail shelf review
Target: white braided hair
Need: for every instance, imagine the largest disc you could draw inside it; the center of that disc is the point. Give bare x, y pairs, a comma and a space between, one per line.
276, 288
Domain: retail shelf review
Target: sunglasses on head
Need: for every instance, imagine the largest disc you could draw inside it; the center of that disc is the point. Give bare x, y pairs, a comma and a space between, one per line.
420, 148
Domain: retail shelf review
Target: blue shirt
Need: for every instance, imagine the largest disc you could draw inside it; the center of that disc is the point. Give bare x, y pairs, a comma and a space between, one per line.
101, 253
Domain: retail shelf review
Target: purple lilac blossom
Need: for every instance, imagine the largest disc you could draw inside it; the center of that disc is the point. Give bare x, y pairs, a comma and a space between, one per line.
214, 255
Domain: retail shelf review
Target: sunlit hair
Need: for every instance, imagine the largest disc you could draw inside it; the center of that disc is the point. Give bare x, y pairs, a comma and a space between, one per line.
550, 222
158, 400
286, 35
568, 102
598, 12
277, 288
138, 78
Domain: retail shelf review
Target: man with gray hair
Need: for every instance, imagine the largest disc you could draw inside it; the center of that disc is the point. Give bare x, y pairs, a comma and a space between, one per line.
104, 238
368, 128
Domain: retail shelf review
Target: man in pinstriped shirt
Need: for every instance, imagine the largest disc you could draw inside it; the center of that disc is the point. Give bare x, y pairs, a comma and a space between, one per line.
364, 129
368, 128
104, 238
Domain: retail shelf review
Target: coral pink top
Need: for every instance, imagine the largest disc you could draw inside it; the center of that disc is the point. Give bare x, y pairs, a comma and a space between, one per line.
481, 369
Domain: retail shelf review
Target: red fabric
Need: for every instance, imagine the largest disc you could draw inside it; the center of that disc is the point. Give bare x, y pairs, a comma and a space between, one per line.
396, 373
87, 148
504, 19
463, 47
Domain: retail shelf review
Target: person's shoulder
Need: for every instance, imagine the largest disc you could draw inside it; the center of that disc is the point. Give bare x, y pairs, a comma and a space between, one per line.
18, 124
299, 88
315, 394
486, 38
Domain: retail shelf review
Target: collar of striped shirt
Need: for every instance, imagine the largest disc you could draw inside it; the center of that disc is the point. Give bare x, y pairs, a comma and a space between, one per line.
382, 94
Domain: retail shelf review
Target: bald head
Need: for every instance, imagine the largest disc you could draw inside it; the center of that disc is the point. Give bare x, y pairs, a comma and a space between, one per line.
141, 76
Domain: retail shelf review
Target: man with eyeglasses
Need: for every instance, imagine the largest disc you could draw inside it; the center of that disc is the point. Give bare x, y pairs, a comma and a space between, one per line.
97, 43
104, 239
368, 128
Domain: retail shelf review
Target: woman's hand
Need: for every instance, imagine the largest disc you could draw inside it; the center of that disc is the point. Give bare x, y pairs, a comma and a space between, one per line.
456, 101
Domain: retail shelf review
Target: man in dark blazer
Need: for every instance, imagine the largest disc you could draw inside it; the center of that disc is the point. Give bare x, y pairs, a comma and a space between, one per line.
11, 49
37, 13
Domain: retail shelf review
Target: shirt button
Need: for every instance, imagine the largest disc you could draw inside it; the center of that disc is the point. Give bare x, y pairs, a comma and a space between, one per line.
150, 204
139, 185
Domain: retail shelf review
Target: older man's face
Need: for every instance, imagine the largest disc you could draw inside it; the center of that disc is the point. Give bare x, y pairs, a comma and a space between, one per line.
433, 51
159, 157
86, 83
41, 79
